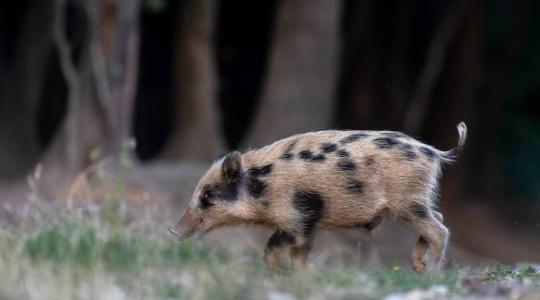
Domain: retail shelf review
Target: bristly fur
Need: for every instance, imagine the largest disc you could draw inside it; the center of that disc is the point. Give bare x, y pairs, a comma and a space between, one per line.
331, 179
310, 206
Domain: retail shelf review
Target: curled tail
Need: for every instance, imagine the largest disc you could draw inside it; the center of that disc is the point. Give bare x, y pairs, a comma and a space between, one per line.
452, 153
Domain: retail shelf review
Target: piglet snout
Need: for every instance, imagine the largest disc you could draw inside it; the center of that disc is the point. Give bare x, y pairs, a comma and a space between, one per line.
174, 232
186, 226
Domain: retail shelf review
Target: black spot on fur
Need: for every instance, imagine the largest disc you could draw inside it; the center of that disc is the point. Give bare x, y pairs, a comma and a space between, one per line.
429, 153
353, 137
419, 210
265, 203
355, 186
318, 157
394, 134
346, 165
306, 154
260, 171
342, 153
310, 156
256, 187
385, 142
279, 239
328, 147
405, 146
410, 155
408, 151
310, 205
288, 155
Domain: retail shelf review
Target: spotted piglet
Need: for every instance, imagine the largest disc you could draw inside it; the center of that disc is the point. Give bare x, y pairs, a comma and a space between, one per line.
323, 180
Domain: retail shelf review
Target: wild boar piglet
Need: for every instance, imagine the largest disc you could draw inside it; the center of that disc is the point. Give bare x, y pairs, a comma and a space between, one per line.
324, 180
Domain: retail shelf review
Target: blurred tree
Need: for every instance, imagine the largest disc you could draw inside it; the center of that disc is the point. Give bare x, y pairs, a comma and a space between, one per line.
398, 88
242, 58
377, 65
154, 101
300, 82
196, 134
100, 73
357, 64
26, 61
433, 66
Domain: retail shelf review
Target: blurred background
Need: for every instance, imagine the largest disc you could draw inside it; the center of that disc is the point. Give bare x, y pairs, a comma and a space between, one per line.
166, 86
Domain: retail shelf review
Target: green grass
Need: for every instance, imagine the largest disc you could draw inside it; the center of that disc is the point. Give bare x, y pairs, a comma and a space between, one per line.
95, 258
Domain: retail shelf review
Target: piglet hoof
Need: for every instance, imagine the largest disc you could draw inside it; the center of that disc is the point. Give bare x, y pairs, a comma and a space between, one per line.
273, 262
299, 267
419, 266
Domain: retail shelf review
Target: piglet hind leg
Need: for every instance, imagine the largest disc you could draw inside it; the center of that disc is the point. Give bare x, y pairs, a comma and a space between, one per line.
433, 237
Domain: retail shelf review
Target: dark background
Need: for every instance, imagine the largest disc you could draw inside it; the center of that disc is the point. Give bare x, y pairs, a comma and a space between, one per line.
190, 79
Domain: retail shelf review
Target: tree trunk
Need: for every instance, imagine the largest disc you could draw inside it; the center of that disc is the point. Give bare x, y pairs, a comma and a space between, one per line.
195, 133
397, 66
21, 88
420, 102
357, 68
100, 82
300, 83
115, 54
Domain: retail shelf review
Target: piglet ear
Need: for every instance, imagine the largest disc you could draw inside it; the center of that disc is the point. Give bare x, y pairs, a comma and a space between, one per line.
232, 166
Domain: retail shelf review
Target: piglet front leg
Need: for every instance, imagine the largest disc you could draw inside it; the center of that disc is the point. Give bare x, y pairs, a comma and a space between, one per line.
282, 243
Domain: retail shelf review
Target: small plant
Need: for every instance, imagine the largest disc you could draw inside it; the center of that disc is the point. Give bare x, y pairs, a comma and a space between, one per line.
500, 272
527, 272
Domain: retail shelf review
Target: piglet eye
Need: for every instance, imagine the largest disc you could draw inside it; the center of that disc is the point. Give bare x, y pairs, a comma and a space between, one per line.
205, 199
205, 203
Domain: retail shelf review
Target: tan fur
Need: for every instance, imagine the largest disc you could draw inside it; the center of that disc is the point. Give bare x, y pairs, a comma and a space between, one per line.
391, 185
